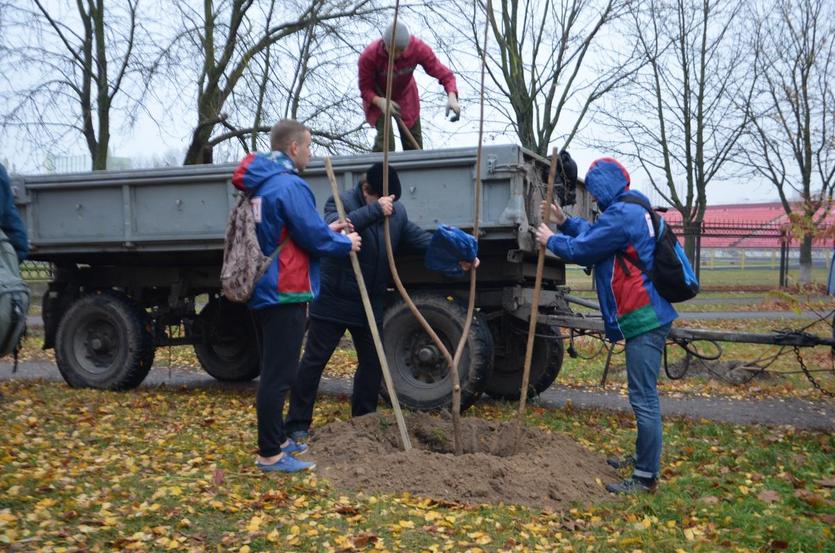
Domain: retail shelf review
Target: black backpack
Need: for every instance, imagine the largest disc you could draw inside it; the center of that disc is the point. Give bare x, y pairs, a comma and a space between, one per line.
672, 274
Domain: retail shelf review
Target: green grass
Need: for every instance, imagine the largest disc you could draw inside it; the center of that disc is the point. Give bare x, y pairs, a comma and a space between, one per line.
717, 279
165, 469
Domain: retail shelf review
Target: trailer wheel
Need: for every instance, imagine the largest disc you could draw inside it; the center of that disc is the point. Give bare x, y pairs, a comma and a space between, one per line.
508, 365
229, 349
103, 341
419, 371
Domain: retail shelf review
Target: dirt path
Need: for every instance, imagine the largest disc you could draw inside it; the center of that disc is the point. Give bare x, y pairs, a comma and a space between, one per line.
795, 412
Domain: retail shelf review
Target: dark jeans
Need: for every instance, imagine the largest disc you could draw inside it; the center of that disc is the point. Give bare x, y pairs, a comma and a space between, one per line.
322, 338
643, 362
378, 140
280, 332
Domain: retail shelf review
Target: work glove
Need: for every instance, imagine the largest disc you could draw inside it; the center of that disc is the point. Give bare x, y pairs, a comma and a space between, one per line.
452, 105
380, 102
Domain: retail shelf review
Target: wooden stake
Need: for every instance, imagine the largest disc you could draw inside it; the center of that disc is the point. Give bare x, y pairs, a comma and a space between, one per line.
369, 315
537, 288
404, 130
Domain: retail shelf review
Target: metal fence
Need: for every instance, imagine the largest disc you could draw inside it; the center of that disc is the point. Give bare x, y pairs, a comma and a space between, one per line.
755, 254
742, 256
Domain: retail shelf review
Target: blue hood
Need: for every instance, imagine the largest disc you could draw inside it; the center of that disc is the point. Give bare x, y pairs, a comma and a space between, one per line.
257, 168
606, 179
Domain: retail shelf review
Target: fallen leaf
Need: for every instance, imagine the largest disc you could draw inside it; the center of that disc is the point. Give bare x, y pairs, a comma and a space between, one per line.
810, 498
769, 496
361, 540
218, 477
826, 483
778, 545
346, 510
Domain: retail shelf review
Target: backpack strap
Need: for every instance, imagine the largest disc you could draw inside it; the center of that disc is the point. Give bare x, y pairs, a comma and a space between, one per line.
244, 197
278, 249
645, 204
634, 259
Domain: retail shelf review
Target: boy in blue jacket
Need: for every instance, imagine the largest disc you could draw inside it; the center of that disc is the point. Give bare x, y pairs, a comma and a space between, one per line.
632, 308
10, 220
286, 218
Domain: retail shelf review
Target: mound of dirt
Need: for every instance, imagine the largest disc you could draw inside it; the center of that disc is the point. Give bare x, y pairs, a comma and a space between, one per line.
548, 471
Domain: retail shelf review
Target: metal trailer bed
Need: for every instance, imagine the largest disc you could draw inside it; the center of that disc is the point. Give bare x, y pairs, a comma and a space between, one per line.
136, 253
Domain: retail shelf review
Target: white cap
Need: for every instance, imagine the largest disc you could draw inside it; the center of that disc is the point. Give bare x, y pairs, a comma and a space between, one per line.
401, 36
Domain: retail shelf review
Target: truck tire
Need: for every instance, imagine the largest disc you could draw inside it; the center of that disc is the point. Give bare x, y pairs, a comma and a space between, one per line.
103, 341
506, 379
229, 349
420, 372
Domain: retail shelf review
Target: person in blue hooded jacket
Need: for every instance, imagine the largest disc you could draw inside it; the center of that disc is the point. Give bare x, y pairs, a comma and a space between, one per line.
286, 218
10, 220
339, 306
632, 308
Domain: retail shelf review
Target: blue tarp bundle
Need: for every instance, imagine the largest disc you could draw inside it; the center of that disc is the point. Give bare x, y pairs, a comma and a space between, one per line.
450, 245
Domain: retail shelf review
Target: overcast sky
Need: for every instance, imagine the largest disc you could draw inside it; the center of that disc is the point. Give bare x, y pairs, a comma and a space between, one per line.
166, 130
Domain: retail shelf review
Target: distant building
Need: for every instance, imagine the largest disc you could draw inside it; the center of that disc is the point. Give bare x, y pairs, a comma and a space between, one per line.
751, 231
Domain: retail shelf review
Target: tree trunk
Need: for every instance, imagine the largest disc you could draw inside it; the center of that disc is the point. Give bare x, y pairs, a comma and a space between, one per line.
691, 235
199, 151
100, 155
806, 259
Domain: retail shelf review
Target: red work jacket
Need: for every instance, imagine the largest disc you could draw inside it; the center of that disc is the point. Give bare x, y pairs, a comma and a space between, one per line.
373, 68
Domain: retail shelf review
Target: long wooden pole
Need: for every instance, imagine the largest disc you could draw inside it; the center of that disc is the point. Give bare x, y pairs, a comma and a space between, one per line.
537, 288
369, 315
459, 351
398, 283
404, 130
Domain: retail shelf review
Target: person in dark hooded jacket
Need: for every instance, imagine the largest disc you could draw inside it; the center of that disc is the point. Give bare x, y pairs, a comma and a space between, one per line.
286, 221
339, 305
632, 308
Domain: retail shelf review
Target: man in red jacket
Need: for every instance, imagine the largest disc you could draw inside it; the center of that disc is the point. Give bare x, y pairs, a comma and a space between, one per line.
409, 52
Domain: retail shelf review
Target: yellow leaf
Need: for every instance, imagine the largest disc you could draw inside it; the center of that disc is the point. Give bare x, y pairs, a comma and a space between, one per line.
244, 549
689, 534
273, 536
671, 524
743, 490
406, 524
254, 524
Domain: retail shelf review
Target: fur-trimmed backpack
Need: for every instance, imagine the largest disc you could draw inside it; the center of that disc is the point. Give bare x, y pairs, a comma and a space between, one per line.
243, 262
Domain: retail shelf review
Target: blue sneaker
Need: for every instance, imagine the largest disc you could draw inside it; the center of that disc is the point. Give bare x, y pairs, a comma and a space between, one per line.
294, 448
299, 435
287, 463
